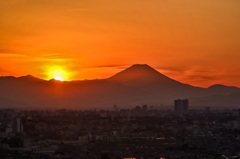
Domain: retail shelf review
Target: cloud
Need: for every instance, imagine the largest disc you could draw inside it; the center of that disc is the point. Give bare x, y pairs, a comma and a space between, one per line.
4, 72
172, 69
76, 10
12, 55
55, 60
202, 77
53, 56
6, 50
111, 66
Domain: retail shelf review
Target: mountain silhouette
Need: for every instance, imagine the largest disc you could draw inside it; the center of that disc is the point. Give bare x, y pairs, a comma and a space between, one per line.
139, 84
140, 74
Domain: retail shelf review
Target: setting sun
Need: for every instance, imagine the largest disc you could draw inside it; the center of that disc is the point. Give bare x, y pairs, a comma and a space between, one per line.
58, 78
57, 73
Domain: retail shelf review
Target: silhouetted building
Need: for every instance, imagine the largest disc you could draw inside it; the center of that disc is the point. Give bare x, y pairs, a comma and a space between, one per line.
10, 124
18, 126
181, 106
236, 124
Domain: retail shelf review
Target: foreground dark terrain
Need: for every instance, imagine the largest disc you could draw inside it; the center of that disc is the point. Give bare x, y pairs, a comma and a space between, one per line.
143, 132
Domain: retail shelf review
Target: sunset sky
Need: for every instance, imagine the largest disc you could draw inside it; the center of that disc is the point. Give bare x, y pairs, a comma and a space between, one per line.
193, 41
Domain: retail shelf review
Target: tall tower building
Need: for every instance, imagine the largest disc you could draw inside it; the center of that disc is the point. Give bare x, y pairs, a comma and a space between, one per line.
181, 106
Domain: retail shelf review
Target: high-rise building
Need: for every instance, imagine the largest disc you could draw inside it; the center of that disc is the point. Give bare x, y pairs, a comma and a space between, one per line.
181, 106
18, 126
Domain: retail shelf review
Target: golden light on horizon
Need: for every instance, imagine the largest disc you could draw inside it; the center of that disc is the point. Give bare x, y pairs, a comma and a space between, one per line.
58, 78
194, 42
58, 73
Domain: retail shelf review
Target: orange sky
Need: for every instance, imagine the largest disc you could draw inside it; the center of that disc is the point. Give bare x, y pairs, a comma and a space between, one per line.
193, 41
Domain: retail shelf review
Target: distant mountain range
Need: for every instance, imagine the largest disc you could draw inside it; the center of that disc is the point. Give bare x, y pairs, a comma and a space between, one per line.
136, 85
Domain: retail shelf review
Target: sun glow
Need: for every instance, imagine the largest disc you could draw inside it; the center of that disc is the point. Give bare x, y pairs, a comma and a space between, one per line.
58, 73
58, 78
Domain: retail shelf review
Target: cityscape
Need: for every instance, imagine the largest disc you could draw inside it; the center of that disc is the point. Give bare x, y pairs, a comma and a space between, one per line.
119, 79
142, 132
178, 130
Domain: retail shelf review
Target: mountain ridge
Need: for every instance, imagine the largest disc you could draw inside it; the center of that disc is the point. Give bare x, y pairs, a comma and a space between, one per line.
136, 85
29, 76
139, 74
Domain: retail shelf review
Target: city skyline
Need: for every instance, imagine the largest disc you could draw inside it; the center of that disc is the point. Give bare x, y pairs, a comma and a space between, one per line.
119, 79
